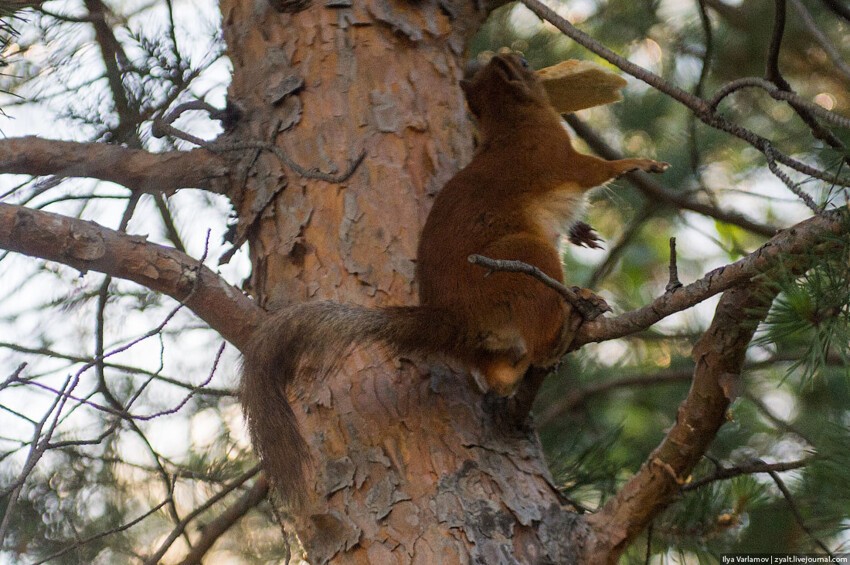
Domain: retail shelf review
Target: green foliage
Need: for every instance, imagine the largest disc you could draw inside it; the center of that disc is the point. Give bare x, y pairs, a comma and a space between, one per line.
812, 315
584, 470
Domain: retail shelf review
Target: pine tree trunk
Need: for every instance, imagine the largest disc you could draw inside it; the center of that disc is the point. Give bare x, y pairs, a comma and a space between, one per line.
411, 463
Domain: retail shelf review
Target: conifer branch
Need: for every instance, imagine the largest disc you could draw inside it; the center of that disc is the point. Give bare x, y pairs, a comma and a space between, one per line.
138, 170
88, 246
719, 356
750, 468
791, 248
699, 106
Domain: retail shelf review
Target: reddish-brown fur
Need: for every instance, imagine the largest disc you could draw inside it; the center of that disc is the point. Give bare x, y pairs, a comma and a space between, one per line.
522, 189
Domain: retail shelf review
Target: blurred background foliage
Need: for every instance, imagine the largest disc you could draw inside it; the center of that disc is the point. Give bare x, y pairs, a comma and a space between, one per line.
600, 416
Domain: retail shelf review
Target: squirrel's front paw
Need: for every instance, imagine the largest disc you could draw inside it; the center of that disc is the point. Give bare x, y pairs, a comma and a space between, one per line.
595, 305
583, 235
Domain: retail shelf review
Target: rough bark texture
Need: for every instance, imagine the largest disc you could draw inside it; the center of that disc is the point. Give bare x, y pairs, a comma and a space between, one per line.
136, 169
409, 466
88, 246
718, 357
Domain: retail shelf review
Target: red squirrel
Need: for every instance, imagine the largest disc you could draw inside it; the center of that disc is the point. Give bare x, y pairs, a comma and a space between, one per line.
523, 188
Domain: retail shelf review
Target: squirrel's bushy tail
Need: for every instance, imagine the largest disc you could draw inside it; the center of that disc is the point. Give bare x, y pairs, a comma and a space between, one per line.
316, 336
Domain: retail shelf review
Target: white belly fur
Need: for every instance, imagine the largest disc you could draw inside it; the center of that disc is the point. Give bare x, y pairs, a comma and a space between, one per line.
557, 211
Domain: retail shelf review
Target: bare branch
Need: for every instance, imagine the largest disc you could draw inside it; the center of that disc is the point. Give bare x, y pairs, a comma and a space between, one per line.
615, 251
114, 60
789, 246
181, 526
774, 75
207, 391
226, 519
655, 191
510, 266
576, 397
115, 530
772, 67
136, 169
88, 246
696, 104
780, 484
777, 94
750, 468
673, 283
163, 128
834, 55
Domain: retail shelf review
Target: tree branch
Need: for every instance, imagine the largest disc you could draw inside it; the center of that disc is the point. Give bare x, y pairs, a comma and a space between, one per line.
220, 524
578, 396
88, 246
790, 246
214, 499
719, 355
780, 484
697, 105
588, 311
136, 169
749, 468
654, 191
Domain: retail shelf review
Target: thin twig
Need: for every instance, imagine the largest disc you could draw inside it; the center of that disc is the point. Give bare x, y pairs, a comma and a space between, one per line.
513, 266
774, 419
162, 128
654, 191
774, 75
834, 55
214, 529
780, 484
700, 85
115, 530
38, 445
673, 283
696, 104
751, 468
772, 65
794, 187
220, 392
154, 559
192, 393
777, 94
577, 397
626, 239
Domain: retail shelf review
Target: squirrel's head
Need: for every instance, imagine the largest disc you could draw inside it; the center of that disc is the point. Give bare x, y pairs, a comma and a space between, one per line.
504, 86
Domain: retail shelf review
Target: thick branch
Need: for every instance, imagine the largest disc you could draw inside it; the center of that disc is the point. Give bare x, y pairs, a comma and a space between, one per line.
789, 246
88, 246
719, 355
136, 169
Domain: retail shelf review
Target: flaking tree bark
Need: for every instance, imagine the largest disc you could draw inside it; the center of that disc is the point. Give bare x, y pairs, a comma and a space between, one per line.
412, 464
